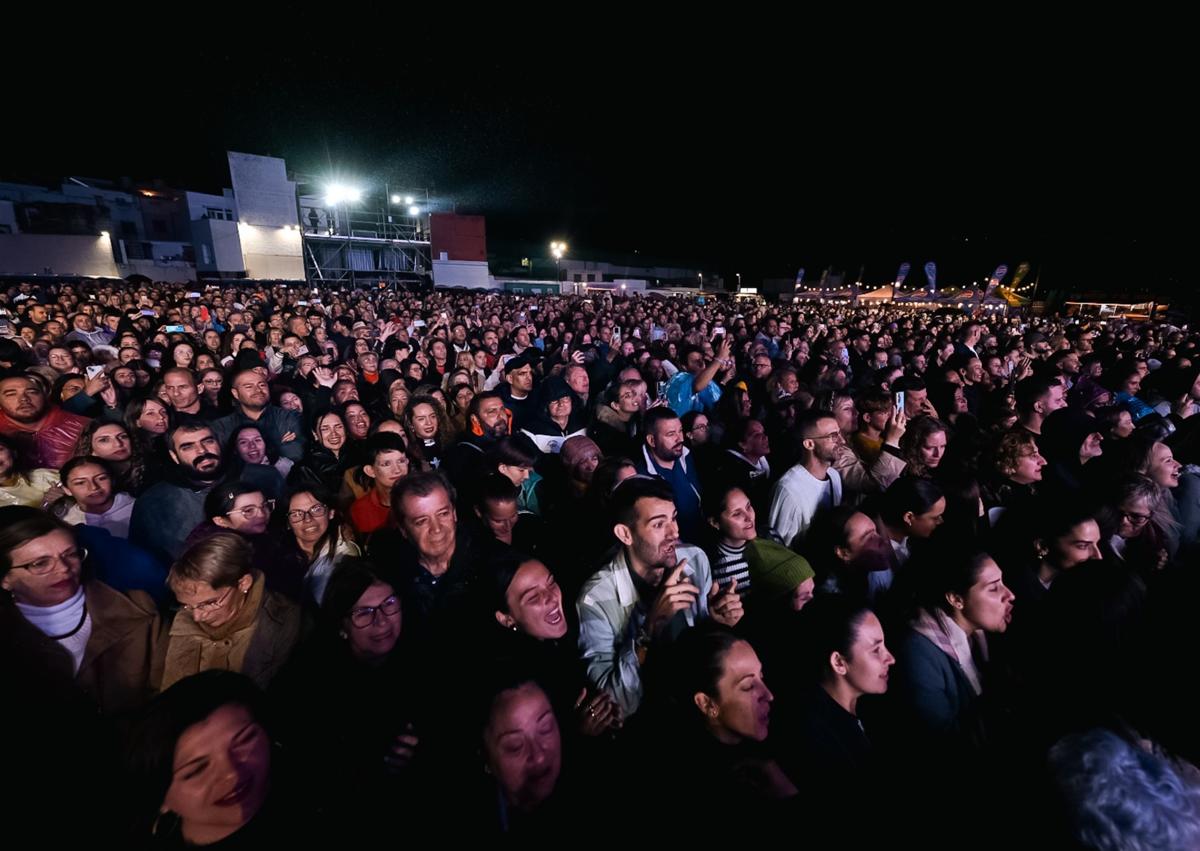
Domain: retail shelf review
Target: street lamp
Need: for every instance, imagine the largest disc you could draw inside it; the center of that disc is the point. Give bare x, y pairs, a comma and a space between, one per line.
557, 250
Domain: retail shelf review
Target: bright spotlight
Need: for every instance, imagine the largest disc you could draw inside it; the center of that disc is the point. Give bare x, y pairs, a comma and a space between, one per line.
338, 194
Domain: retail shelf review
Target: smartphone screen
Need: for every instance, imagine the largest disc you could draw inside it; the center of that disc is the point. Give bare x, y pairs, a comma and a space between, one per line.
900, 400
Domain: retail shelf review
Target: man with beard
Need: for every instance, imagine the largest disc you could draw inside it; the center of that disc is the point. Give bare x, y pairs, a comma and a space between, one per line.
465, 463
665, 456
651, 592
252, 406
812, 483
167, 512
45, 435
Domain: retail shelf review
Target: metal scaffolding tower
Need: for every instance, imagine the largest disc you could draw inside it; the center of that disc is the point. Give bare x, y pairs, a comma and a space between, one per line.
383, 237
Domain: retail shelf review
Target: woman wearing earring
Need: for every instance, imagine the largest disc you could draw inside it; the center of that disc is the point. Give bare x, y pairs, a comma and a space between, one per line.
227, 617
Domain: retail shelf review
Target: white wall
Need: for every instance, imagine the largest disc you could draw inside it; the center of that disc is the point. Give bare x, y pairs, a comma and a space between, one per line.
32, 253
272, 252
223, 243
461, 273
264, 195
197, 202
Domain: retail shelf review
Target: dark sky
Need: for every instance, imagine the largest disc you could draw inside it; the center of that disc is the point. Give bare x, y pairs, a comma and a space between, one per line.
737, 163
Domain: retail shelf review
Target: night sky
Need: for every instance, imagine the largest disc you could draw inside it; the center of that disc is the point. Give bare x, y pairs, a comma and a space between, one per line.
739, 163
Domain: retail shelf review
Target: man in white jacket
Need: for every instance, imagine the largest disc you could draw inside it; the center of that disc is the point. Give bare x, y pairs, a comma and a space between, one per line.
810, 484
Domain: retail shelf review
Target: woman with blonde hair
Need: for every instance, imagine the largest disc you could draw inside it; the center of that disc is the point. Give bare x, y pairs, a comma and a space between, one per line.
227, 619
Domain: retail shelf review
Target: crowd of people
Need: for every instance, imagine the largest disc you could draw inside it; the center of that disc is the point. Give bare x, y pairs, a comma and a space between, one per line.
287, 563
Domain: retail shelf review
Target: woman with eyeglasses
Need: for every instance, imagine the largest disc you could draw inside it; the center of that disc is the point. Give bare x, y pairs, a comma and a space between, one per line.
1134, 523
59, 626
228, 619
1016, 472
245, 510
354, 723
320, 535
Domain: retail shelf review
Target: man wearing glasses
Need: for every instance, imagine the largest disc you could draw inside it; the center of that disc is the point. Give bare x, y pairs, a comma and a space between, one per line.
812, 483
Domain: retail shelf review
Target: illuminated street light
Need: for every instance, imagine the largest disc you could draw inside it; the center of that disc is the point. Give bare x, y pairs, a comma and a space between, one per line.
557, 250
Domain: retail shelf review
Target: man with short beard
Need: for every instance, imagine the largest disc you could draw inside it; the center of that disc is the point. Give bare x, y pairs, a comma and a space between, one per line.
811, 484
167, 512
664, 455
654, 589
44, 434
464, 465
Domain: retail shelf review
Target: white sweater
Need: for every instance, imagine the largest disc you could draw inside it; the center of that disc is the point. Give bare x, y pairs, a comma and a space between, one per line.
796, 499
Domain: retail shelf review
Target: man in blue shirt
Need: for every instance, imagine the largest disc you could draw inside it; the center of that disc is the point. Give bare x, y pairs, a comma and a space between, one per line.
665, 456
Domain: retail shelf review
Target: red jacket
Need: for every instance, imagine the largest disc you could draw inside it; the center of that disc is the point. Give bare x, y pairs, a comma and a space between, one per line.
53, 442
